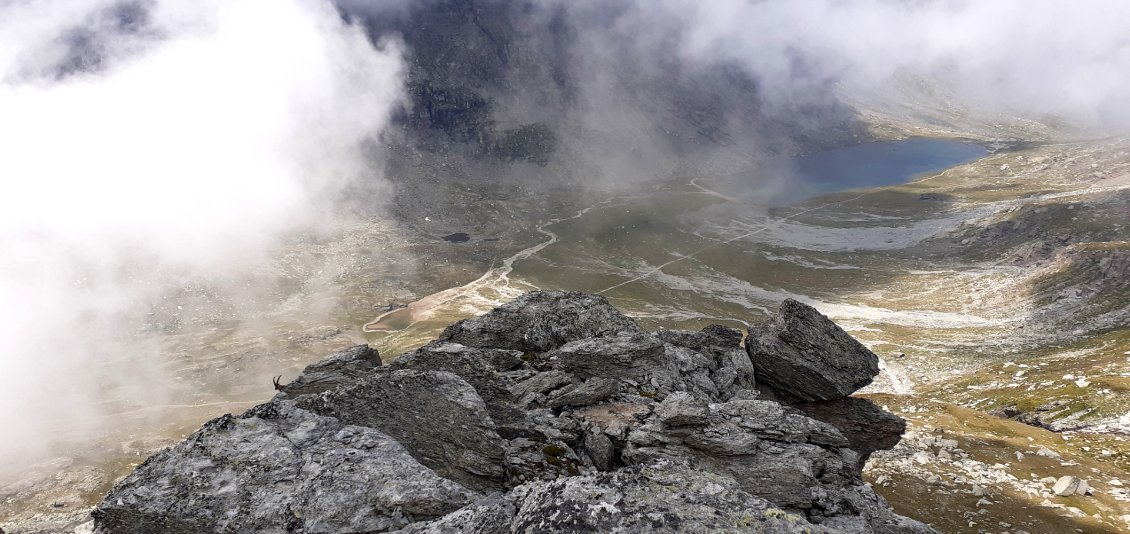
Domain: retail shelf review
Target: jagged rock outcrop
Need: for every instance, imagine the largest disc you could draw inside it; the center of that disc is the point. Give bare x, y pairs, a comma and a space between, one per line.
801, 355
278, 468
336, 369
552, 413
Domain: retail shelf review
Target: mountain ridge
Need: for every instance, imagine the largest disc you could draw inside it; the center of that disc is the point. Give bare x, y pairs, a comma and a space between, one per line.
552, 413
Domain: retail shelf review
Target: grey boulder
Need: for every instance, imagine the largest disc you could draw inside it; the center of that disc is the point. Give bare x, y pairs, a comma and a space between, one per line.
802, 356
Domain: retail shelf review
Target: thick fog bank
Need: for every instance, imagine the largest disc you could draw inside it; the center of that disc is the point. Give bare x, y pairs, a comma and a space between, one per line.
147, 144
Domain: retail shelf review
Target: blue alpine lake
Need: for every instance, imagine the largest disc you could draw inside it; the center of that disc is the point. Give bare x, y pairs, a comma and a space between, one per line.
792, 179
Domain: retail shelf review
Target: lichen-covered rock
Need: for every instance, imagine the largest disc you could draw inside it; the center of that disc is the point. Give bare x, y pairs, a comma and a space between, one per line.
633, 356
539, 321
667, 496
870, 514
773, 450
803, 356
278, 468
336, 369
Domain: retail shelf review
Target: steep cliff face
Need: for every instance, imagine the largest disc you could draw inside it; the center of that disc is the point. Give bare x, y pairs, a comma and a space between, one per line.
530, 81
552, 413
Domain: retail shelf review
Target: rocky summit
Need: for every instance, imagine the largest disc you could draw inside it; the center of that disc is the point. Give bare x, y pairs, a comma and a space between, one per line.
552, 413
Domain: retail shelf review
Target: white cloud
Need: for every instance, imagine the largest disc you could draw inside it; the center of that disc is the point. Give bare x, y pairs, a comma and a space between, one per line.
196, 140
1029, 57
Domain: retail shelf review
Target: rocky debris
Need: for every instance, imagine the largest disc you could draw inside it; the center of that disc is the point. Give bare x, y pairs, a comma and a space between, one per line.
551, 413
801, 355
614, 419
337, 369
389, 306
1073, 255
1082, 291
539, 321
1048, 453
1037, 419
950, 470
1040, 251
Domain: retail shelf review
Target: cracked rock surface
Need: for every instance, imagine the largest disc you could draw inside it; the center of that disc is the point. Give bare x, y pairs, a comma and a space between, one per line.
801, 355
553, 413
